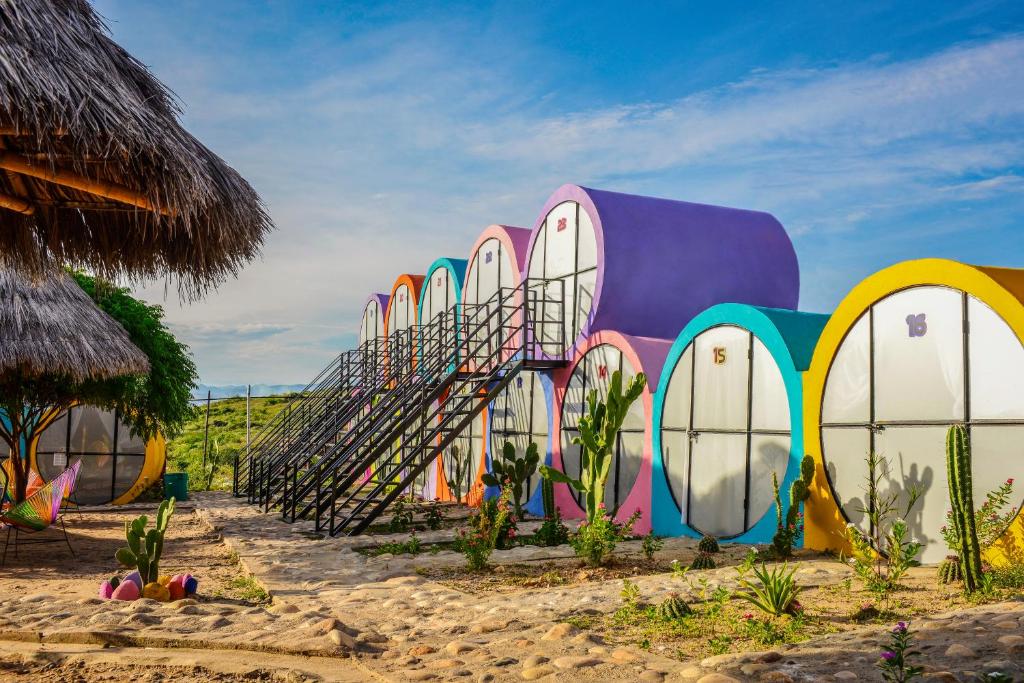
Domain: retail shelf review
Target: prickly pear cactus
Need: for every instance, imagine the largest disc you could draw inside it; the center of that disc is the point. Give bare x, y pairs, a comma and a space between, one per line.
708, 544
146, 546
703, 561
673, 607
949, 570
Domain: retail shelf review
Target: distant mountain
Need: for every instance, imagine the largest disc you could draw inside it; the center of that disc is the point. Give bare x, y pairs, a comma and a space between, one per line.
230, 390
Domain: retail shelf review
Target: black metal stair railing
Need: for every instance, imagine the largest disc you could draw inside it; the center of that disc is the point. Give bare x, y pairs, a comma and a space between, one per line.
294, 425
429, 371
488, 361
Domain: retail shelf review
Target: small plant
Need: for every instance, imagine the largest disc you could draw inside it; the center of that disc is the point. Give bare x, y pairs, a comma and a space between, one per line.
790, 529
552, 531
881, 559
776, 592
961, 496
703, 561
513, 471
650, 545
708, 544
598, 433
949, 570
895, 662
458, 472
250, 589
486, 529
547, 497
401, 517
594, 542
673, 608
435, 516
678, 570
146, 546
410, 547
630, 594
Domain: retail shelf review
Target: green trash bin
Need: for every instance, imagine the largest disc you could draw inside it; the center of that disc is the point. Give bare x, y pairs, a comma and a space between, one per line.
176, 485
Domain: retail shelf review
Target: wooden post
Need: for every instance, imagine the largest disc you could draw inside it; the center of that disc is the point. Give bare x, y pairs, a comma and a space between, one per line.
206, 431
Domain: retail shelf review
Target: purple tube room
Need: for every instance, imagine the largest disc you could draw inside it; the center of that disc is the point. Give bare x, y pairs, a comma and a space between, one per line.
646, 266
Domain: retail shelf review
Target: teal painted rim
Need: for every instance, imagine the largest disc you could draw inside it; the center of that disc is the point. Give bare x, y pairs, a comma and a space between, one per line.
457, 273
789, 336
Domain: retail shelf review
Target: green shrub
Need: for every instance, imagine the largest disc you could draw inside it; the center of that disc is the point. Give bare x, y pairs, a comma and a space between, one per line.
775, 592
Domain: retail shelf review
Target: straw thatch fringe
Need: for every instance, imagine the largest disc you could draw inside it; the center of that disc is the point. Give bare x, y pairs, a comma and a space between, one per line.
53, 327
71, 99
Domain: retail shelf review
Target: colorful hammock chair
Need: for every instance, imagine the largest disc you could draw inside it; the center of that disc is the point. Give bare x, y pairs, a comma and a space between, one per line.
39, 511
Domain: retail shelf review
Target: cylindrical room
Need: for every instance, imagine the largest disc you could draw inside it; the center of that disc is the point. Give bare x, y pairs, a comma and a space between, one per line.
628, 487
727, 417
522, 414
495, 265
117, 464
371, 327
646, 266
401, 314
464, 462
441, 293
911, 350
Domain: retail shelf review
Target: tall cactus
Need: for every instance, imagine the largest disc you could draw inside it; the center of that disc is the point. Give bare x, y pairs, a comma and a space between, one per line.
145, 547
547, 495
961, 498
799, 492
598, 430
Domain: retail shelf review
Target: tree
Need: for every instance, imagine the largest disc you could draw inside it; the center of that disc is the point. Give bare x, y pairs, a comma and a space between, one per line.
102, 368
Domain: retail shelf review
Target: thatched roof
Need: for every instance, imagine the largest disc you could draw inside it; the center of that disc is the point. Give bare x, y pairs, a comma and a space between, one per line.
53, 327
95, 169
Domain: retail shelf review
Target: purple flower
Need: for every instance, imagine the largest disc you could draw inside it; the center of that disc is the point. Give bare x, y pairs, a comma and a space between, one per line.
901, 627
888, 655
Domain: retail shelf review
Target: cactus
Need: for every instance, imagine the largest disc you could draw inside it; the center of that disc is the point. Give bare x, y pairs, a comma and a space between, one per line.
547, 495
145, 546
459, 471
961, 497
598, 431
673, 607
949, 570
703, 561
788, 530
515, 470
708, 544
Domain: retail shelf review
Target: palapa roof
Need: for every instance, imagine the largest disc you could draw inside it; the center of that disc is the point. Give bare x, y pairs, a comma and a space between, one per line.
95, 168
51, 326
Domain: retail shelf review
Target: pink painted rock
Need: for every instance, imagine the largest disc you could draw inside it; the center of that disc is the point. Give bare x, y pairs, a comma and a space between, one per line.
106, 590
126, 591
135, 578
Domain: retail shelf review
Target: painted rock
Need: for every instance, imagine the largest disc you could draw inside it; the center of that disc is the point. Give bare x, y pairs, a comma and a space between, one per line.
176, 590
164, 580
156, 592
115, 581
106, 590
126, 591
191, 584
135, 578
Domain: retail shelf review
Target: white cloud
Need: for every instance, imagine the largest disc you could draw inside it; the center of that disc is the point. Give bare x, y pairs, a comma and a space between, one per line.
407, 149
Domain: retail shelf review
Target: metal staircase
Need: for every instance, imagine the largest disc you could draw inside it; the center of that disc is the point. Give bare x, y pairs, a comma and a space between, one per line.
371, 433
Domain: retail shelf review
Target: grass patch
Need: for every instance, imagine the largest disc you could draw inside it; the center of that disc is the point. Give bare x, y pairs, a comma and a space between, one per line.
248, 588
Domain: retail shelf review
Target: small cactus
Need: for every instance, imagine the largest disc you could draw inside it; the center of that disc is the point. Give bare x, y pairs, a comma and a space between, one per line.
703, 561
708, 544
949, 570
673, 607
547, 493
145, 546
961, 496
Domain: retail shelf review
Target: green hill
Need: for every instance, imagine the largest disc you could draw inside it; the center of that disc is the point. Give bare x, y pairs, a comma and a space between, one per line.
227, 436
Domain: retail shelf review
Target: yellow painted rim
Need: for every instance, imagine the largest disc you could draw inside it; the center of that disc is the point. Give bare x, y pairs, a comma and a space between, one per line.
1000, 288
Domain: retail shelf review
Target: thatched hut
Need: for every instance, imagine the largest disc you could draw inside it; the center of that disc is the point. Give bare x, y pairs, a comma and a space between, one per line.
95, 168
52, 338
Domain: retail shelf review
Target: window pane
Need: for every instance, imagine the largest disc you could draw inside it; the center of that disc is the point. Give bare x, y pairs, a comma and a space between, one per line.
768, 453
92, 430
718, 484
917, 456
674, 458
586, 284
535, 268
720, 378
848, 385
630, 457
570, 456
676, 408
128, 441
561, 240
996, 457
129, 467
997, 365
587, 241
770, 398
919, 369
845, 451
94, 479
539, 408
54, 438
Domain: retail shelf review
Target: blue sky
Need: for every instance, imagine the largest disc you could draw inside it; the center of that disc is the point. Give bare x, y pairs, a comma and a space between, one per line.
385, 135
